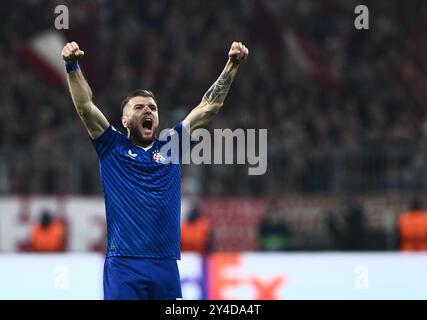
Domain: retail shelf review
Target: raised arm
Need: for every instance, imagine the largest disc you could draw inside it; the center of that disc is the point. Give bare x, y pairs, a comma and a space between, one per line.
93, 119
214, 98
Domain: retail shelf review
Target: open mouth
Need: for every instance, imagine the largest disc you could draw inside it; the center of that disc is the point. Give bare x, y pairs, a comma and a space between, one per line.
147, 123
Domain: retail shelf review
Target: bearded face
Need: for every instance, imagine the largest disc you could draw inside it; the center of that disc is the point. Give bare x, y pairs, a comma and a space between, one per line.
141, 119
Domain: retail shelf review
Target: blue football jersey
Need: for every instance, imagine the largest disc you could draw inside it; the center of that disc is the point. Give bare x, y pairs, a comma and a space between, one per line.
142, 197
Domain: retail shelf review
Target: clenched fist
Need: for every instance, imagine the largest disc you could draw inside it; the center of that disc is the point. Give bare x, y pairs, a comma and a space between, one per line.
71, 52
238, 52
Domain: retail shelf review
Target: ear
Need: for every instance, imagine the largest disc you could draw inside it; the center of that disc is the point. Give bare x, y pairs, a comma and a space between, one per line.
125, 121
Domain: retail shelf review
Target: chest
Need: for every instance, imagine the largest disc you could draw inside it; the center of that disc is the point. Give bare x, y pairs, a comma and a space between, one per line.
143, 164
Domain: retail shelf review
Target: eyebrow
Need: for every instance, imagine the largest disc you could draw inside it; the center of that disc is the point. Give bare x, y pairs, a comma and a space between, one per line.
142, 104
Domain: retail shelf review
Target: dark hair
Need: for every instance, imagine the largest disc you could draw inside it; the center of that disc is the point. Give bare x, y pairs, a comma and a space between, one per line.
416, 204
137, 93
45, 218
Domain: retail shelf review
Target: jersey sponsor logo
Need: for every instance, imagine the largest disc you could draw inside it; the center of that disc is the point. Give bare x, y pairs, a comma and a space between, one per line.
131, 154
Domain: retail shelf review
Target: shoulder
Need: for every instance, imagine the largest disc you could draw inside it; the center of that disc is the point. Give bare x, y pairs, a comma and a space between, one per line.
168, 132
108, 140
110, 131
119, 135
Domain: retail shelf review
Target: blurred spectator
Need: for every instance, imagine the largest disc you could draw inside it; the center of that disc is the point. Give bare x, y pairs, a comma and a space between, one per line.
196, 233
348, 228
273, 232
357, 103
100, 245
412, 228
48, 235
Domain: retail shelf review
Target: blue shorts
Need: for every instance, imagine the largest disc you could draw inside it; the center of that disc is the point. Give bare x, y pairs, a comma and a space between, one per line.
135, 278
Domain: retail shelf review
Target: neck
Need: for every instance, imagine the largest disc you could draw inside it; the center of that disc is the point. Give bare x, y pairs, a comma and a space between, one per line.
140, 142
144, 145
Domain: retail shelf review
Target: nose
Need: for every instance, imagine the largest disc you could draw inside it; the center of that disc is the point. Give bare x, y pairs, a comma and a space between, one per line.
146, 109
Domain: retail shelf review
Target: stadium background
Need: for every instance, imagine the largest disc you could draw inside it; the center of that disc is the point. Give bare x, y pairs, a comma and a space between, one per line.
345, 111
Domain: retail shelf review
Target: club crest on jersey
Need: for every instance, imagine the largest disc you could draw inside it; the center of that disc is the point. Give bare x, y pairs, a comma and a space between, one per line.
157, 157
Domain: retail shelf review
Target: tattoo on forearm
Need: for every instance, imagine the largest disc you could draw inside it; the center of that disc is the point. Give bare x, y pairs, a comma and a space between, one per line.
220, 88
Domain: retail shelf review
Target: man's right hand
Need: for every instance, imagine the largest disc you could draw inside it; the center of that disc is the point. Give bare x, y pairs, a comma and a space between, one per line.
71, 52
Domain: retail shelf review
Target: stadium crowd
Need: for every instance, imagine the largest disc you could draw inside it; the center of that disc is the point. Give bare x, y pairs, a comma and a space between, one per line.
324, 90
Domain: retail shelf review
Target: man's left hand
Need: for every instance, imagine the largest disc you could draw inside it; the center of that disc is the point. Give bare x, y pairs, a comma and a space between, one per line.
238, 52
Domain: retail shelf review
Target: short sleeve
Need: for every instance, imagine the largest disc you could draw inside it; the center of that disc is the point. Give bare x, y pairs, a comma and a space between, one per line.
105, 143
183, 139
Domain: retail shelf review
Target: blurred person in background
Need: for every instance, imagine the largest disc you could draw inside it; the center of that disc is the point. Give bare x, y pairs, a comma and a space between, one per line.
319, 115
412, 228
348, 227
196, 233
273, 232
48, 235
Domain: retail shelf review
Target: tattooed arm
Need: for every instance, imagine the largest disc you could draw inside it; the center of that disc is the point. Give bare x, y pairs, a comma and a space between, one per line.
214, 98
